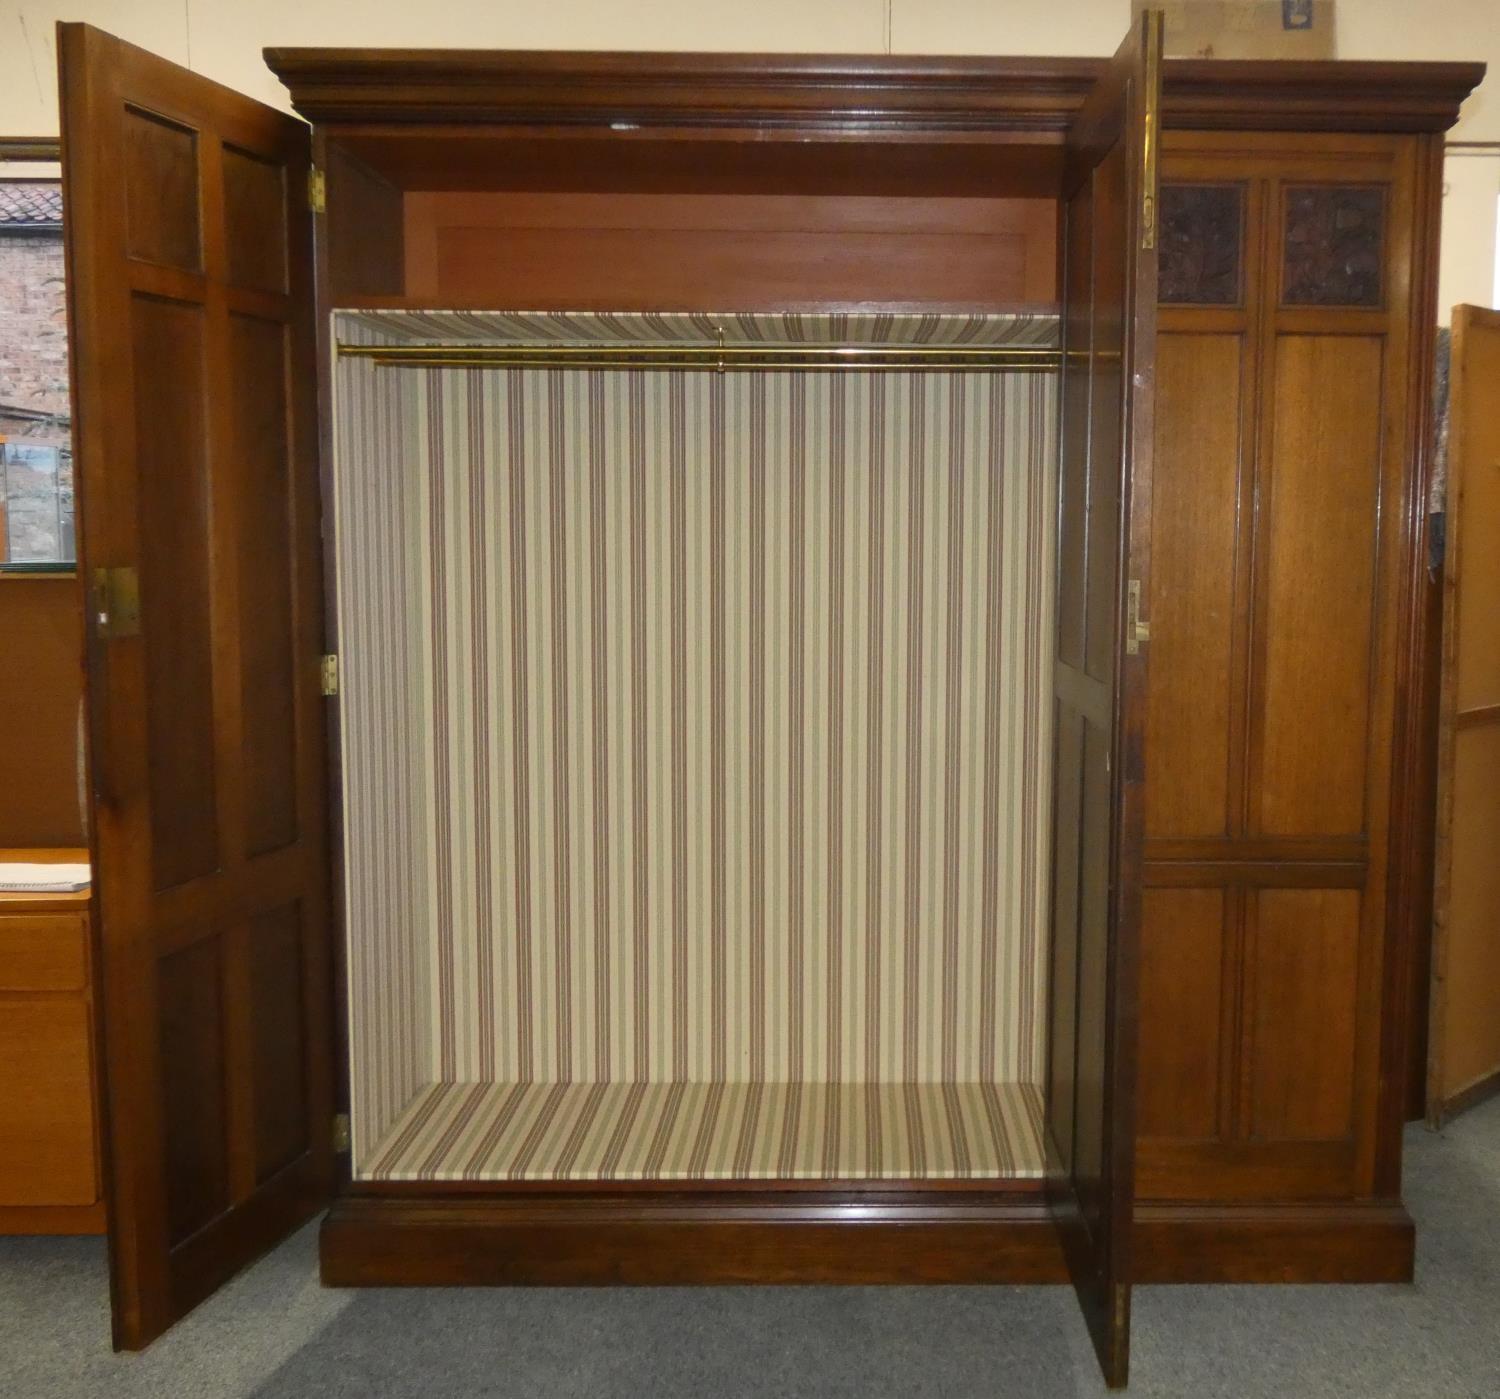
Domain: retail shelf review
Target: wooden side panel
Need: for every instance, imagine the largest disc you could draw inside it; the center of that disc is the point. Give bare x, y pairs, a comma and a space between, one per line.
1464, 1063
193, 373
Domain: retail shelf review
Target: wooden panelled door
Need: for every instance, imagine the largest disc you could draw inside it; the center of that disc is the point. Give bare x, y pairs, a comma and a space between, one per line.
189, 256
1109, 308
1464, 1039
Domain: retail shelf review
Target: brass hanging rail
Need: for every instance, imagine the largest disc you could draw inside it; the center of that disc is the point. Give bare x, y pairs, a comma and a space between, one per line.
713, 358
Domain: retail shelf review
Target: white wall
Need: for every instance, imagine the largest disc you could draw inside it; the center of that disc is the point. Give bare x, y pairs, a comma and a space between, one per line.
223, 39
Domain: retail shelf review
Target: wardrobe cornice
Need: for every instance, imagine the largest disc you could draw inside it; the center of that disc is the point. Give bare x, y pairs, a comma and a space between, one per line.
849, 93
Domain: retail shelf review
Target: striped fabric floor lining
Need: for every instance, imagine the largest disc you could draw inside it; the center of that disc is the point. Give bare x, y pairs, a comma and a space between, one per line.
713, 1131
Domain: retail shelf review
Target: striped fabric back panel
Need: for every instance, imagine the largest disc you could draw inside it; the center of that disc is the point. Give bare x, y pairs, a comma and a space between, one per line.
385, 714
694, 726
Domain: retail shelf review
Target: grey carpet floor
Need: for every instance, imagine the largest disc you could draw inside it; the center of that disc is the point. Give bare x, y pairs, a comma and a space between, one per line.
275, 1334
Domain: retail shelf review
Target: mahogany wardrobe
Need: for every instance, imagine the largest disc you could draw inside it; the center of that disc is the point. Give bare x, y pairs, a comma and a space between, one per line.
738, 668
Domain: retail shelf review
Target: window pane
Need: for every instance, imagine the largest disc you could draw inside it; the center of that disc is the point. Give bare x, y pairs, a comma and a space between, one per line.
38, 503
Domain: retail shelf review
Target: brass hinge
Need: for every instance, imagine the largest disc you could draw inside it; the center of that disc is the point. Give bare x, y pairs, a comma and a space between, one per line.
1137, 629
317, 190
116, 603
328, 675
1151, 142
340, 1133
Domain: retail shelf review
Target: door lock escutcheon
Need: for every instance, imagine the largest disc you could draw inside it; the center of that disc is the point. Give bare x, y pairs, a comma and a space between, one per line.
1137, 629
116, 603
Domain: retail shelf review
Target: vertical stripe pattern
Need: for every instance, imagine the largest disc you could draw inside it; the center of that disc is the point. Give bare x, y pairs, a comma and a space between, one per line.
693, 733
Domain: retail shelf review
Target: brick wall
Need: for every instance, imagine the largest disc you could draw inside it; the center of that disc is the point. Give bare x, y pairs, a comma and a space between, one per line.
33, 336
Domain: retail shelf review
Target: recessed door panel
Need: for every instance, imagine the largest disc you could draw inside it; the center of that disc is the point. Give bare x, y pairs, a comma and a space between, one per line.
1194, 504
1320, 594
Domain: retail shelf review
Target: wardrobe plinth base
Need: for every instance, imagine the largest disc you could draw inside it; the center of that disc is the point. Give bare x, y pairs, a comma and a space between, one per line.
655, 1238
1333, 1242
689, 1238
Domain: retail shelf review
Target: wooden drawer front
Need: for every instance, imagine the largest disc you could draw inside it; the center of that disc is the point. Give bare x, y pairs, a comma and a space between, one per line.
46, 1103
43, 952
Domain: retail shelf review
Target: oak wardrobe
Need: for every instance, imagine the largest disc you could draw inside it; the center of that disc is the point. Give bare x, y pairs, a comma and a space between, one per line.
721, 668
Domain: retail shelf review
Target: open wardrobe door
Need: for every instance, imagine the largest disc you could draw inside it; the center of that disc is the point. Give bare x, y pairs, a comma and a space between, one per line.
1109, 300
189, 254
1464, 1038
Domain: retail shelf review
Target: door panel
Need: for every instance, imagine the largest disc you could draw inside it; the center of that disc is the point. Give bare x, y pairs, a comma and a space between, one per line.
1109, 308
1464, 1054
193, 370
1320, 584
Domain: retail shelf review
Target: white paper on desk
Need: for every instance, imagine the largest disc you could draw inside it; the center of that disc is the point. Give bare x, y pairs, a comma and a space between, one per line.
19, 878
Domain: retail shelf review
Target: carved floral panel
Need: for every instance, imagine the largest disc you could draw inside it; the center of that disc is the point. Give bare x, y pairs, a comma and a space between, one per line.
1201, 244
1334, 245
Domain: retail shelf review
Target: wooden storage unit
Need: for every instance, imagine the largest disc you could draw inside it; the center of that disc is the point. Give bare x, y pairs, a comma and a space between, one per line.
1228, 825
1287, 715
49, 1171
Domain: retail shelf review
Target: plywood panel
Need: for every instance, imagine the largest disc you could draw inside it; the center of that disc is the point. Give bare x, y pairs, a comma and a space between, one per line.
1182, 1030
1319, 609
1303, 969
1194, 510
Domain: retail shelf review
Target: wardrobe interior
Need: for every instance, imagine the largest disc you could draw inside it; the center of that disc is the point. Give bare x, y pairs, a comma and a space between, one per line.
695, 722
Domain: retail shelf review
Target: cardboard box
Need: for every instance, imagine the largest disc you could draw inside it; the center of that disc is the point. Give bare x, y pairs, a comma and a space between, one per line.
1246, 28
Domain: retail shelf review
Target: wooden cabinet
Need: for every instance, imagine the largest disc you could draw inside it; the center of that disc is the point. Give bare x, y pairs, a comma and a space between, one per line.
1228, 721
1288, 546
49, 1168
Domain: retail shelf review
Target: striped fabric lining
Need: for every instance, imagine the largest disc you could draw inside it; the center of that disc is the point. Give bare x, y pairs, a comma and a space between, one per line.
694, 725
715, 1131
705, 328
386, 761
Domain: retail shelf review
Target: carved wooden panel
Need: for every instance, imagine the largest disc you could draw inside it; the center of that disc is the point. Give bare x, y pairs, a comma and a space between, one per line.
1202, 242
1334, 245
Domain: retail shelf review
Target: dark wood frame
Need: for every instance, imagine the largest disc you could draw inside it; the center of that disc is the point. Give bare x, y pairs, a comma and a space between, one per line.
431, 1233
